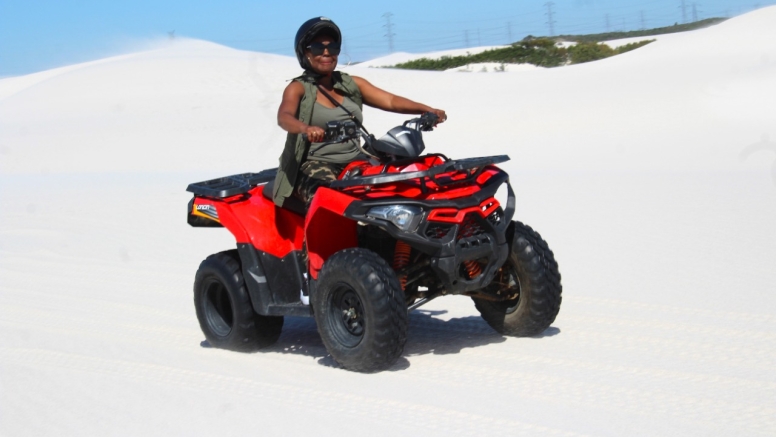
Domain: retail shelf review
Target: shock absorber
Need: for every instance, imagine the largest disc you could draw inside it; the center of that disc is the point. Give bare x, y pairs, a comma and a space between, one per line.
472, 267
401, 259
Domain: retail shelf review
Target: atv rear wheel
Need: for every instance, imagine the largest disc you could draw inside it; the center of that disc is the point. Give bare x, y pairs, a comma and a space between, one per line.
360, 311
531, 273
224, 307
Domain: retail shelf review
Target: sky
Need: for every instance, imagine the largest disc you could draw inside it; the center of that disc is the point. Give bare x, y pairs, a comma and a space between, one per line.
36, 35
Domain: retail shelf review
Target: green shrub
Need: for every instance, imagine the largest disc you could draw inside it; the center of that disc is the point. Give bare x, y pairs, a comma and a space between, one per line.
633, 46
443, 63
542, 52
589, 51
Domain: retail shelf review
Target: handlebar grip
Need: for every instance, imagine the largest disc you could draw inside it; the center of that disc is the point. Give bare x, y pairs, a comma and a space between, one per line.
428, 121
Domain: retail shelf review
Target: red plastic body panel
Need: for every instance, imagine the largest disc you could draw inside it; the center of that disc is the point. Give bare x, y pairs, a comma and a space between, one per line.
327, 230
452, 215
256, 220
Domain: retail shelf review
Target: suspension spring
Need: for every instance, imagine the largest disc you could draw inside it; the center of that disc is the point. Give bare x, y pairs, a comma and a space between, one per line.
401, 259
473, 268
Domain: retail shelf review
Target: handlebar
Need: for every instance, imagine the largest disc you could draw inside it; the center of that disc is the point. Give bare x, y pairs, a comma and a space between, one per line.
337, 132
341, 131
425, 122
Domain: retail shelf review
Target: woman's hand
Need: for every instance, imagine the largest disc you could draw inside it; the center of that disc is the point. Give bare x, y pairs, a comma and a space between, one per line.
441, 115
314, 134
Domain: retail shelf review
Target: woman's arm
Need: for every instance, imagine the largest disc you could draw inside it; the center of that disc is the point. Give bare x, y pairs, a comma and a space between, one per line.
289, 106
386, 101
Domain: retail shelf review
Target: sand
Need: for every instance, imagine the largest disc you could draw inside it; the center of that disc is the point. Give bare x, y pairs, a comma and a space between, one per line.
650, 174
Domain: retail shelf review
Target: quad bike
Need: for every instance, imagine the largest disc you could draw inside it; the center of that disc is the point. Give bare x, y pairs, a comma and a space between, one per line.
395, 231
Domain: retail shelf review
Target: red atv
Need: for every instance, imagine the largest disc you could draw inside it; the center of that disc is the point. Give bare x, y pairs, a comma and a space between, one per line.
395, 231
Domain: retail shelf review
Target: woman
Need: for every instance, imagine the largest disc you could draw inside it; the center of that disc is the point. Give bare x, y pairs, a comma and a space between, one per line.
316, 97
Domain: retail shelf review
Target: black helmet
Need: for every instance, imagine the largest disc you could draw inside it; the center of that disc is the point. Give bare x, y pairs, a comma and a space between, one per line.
309, 30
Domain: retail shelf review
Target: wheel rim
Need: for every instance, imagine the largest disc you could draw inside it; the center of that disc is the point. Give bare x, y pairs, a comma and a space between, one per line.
506, 281
346, 316
218, 308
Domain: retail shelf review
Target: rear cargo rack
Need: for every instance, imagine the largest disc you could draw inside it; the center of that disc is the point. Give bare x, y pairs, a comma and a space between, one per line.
229, 186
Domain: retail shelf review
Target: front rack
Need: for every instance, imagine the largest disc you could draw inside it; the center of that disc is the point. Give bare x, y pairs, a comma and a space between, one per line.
449, 166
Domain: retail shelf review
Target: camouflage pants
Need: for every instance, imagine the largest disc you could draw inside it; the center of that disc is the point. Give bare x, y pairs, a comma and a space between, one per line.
315, 174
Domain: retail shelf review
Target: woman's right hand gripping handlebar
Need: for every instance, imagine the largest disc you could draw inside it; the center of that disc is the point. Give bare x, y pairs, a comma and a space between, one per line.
314, 134
287, 120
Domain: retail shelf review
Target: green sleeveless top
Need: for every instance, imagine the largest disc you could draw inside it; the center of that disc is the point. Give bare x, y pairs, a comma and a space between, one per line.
338, 153
296, 147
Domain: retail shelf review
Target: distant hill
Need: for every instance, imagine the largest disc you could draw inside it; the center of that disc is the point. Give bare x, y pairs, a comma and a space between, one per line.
542, 52
546, 52
609, 36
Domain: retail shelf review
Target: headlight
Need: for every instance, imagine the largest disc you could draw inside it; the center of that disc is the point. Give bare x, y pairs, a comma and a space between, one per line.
405, 217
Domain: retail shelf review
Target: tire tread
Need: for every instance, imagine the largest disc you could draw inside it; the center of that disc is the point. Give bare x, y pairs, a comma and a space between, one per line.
540, 284
250, 331
386, 297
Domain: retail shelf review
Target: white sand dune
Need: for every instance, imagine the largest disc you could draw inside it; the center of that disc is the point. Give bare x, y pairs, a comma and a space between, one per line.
650, 175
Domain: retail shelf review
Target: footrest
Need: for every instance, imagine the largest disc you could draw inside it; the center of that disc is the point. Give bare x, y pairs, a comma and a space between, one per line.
297, 309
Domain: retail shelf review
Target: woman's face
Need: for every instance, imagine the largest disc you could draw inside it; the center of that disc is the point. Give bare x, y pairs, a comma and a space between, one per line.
324, 63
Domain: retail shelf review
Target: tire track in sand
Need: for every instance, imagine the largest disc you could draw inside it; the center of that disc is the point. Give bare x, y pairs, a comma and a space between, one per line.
369, 409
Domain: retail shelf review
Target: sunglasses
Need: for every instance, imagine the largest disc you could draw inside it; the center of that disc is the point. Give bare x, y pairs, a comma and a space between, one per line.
317, 48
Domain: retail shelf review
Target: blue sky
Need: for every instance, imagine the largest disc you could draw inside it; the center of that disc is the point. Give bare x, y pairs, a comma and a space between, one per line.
36, 35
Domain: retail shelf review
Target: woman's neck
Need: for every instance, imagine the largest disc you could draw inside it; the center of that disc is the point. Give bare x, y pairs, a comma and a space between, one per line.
325, 81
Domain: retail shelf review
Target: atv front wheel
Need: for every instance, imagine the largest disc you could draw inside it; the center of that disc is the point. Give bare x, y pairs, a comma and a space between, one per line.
224, 307
531, 273
360, 311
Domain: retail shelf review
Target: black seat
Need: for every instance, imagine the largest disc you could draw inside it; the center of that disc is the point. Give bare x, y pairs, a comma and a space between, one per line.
291, 203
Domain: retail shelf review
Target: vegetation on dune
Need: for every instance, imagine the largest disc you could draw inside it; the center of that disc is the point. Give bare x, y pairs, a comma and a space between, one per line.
592, 51
546, 52
610, 36
542, 52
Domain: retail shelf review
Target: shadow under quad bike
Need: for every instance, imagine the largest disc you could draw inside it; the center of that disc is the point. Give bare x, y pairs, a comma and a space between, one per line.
395, 231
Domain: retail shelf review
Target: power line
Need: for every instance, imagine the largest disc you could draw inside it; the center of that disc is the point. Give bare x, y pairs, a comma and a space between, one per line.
389, 28
369, 39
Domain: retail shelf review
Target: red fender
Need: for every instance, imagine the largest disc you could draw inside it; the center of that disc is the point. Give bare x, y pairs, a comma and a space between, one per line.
327, 231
